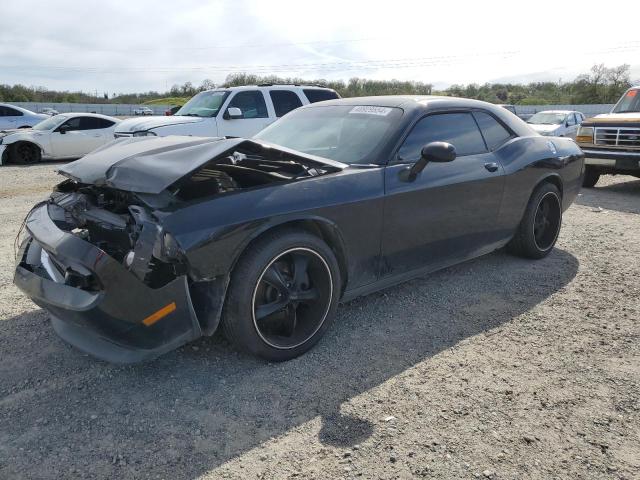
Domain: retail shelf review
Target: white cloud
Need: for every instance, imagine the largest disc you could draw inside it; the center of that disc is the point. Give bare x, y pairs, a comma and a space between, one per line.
144, 45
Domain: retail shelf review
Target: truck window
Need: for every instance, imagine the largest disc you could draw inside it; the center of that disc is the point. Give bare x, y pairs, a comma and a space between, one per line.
251, 103
319, 95
284, 101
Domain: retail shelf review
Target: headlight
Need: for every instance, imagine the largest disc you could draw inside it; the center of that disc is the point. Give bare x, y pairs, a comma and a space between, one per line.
145, 133
584, 135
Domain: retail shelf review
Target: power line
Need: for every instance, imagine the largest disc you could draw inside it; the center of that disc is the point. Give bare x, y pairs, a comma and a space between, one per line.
345, 65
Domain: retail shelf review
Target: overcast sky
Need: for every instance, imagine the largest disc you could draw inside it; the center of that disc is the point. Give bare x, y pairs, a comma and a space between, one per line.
139, 45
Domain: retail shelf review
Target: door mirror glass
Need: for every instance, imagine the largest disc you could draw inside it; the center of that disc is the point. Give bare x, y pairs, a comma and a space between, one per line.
233, 113
63, 129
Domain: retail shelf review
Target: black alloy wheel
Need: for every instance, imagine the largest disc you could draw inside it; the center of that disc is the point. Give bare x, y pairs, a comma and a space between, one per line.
540, 225
24, 153
283, 294
292, 298
546, 224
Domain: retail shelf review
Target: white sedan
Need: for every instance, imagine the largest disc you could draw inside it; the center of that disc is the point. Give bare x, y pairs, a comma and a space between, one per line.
18, 117
61, 137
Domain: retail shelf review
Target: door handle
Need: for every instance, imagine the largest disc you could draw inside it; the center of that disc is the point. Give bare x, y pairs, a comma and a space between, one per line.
491, 166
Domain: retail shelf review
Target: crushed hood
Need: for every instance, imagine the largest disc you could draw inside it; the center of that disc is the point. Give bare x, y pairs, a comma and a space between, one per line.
131, 125
151, 164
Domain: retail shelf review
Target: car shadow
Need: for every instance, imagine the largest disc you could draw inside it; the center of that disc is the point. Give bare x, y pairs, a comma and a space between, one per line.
190, 411
622, 196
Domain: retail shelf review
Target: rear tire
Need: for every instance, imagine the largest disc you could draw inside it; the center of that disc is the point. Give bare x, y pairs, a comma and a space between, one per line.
540, 224
591, 177
283, 295
24, 153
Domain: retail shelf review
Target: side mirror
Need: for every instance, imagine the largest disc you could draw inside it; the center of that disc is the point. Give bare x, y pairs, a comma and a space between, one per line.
233, 113
63, 129
438, 152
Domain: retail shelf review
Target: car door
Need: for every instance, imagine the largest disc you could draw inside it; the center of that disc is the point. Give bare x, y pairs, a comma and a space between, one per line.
76, 137
9, 117
572, 126
450, 211
254, 115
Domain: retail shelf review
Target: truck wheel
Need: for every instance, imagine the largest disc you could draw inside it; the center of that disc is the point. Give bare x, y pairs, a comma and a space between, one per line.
591, 177
282, 296
540, 224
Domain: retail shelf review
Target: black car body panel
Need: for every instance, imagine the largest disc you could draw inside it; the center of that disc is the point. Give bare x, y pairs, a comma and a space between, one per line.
382, 228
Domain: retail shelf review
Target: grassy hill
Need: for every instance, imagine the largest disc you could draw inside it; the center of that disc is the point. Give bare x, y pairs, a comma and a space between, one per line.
168, 101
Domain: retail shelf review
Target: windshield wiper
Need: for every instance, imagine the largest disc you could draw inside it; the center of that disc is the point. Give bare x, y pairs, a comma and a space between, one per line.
189, 115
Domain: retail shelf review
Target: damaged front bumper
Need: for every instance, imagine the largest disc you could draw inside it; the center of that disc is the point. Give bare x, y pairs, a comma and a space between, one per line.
95, 303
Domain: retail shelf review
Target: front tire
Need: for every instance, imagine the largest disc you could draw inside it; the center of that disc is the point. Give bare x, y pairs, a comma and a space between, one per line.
591, 177
540, 226
24, 153
282, 296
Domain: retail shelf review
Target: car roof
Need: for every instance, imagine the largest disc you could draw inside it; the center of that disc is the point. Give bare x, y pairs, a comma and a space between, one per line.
274, 86
558, 111
22, 109
409, 102
81, 114
416, 106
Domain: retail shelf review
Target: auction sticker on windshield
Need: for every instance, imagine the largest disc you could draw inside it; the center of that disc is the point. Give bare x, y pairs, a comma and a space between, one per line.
371, 110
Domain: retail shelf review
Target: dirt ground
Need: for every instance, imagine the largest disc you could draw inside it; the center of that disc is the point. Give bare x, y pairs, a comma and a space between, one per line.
498, 368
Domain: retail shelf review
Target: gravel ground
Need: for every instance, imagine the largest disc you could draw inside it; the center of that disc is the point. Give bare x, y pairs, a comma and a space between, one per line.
497, 368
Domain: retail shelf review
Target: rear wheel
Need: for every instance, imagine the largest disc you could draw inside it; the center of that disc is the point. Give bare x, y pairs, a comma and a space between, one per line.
591, 177
283, 295
540, 225
24, 153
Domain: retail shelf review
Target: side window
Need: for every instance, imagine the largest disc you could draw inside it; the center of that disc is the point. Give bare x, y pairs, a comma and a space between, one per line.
284, 101
571, 120
251, 103
9, 112
104, 123
72, 124
459, 129
492, 130
88, 123
319, 94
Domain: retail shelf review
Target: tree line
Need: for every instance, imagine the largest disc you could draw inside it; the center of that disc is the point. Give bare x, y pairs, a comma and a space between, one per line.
600, 85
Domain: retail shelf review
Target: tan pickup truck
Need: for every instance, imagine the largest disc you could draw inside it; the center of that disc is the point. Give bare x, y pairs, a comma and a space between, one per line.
611, 141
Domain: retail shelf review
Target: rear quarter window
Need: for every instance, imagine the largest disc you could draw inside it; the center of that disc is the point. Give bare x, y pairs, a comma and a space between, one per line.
284, 101
495, 134
318, 95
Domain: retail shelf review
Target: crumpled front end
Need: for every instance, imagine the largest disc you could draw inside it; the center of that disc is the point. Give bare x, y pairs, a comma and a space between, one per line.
97, 301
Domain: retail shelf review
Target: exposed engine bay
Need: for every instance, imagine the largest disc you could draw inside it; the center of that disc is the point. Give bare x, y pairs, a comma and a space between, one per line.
249, 166
126, 225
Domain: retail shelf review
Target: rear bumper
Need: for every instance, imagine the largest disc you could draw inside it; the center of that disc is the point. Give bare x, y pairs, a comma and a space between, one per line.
612, 159
119, 318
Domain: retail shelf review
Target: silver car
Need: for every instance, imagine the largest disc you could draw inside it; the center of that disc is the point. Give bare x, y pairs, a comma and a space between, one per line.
556, 123
17, 117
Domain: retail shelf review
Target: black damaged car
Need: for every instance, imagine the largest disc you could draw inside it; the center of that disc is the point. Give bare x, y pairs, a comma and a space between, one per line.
150, 243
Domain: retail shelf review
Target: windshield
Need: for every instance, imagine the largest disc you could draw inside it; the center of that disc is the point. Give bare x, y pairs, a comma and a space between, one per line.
346, 133
204, 104
630, 102
547, 118
50, 123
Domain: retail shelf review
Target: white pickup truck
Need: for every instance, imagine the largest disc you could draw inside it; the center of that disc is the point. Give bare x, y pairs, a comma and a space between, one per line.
234, 112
